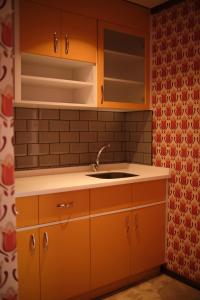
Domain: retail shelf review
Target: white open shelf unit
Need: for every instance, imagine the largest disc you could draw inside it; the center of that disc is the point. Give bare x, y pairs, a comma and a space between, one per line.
56, 82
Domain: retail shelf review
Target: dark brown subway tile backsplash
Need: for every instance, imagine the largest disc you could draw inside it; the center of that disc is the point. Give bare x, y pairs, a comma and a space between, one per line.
57, 138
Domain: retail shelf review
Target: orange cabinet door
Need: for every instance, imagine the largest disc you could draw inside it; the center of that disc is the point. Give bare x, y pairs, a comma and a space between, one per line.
65, 260
148, 238
79, 37
28, 264
62, 206
27, 211
39, 29
123, 72
110, 249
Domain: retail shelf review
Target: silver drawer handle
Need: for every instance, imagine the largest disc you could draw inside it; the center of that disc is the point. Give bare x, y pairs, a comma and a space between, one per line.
65, 205
66, 43
32, 242
55, 42
61, 205
45, 240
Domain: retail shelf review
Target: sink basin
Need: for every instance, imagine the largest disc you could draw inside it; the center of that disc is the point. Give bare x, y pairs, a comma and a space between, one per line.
112, 175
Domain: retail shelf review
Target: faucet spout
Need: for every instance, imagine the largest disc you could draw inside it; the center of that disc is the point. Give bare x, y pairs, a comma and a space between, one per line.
97, 161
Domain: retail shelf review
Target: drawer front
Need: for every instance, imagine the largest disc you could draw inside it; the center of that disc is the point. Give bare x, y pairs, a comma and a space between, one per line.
110, 198
149, 192
61, 206
27, 211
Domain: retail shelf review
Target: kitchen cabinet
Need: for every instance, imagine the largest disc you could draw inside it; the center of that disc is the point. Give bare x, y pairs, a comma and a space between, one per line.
56, 256
123, 73
61, 34
111, 198
56, 67
110, 249
65, 260
28, 264
147, 238
110, 236
148, 225
86, 241
27, 211
28, 248
63, 206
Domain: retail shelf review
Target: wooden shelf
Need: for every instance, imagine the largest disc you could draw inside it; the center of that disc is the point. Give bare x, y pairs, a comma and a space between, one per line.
49, 104
122, 55
122, 81
52, 82
53, 62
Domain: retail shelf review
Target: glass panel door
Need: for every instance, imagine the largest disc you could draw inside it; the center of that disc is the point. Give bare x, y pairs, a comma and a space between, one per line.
124, 67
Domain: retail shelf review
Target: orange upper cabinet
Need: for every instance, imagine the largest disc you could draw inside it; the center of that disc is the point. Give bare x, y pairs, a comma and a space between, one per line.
48, 31
79, 37
39, 29
123, 67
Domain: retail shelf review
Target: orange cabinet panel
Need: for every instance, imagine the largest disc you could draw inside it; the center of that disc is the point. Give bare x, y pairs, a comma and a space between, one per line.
60, 206
123, 67
149, 192
148, 238
27, 211
28, 264
38, 24
65, 260
48, 31
110, 249
79, 37
110, 198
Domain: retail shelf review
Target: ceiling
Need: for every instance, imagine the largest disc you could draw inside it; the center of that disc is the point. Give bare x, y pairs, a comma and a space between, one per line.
148, 3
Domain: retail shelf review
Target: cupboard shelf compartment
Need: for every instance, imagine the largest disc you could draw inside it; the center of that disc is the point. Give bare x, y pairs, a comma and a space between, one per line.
122, 81
122, 55
52, 82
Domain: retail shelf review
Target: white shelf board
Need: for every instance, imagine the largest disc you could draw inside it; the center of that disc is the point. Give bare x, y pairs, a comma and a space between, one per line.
123, 55
52, 82
53, 61
122, 81
48, 104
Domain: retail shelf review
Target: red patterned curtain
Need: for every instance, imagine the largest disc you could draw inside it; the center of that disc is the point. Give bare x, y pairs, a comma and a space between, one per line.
176, 128
8, 281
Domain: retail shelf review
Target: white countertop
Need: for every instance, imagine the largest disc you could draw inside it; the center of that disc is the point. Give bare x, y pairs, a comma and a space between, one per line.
46, 181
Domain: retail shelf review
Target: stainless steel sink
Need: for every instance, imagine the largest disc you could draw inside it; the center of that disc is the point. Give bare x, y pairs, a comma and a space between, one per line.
112, 175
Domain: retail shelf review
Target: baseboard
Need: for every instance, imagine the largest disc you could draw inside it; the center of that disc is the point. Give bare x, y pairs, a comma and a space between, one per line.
181, 278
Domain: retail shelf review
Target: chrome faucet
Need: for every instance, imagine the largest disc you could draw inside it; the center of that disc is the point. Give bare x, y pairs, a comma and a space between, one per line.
96, 163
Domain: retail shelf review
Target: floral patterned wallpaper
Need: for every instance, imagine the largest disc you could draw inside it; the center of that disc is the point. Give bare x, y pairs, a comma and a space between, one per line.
176, 128
8, 280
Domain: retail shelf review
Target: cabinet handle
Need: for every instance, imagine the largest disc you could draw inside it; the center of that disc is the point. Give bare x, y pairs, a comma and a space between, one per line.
55, 42
32, 242
45, 240
66, 43
61, 205
65, 205
127, 221
102, 94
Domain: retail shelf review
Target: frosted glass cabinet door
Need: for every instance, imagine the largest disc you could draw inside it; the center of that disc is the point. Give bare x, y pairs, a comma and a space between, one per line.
124, 67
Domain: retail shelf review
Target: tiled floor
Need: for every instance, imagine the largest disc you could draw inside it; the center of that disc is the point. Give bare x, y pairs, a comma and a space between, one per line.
162, 287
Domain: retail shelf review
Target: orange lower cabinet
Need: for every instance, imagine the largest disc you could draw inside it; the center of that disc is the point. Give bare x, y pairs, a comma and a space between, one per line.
148, 238
28, 264
65, 260
110, 248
